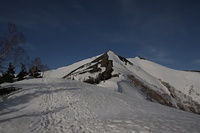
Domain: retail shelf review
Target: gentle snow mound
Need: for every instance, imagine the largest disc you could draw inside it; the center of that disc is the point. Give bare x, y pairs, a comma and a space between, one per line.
58, 106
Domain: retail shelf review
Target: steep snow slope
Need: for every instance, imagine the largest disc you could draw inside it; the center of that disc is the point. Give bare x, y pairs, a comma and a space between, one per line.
61, 72
124, 67
120, 64
186, 82
64, 106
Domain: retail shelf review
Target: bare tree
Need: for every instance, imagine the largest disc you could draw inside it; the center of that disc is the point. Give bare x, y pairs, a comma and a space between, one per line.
38, 62
37, 66
10, 48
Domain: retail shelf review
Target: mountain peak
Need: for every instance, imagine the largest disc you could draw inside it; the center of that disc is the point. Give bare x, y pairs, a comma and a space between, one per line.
110, 52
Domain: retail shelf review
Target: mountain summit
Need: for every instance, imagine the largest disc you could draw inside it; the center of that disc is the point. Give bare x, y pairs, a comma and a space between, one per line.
151, 81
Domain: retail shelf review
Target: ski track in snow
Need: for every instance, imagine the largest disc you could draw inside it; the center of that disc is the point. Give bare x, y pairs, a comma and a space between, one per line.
61, 122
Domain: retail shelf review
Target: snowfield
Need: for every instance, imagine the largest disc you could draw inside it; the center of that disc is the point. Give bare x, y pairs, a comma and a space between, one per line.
62, 71
52, 105
186, 82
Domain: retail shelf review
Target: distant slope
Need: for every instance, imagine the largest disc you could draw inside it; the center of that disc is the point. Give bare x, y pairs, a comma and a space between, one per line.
62, 71
156, 83
52, 105
182, 87
186, 82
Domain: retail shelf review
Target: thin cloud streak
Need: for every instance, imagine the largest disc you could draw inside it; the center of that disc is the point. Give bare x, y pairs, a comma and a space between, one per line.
156, 54
197, 62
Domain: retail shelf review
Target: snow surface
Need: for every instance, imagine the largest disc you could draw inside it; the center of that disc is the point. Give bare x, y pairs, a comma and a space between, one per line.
128, 69
52, 105
62, 71
186, 82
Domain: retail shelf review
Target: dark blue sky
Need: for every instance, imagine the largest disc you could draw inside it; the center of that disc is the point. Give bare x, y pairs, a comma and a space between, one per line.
62, 32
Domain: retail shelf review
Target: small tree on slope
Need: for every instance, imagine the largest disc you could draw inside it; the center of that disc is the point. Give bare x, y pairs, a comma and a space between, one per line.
22, 72
9, 75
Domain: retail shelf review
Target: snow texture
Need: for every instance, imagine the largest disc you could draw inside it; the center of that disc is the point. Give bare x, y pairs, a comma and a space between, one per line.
52, 105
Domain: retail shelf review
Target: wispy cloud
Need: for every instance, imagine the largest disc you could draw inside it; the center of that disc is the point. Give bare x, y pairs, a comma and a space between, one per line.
32, 16
155, 53
196, 62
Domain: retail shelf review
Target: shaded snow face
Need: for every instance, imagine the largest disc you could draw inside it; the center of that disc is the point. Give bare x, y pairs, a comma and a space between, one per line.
59, 105
100, 69
104, 67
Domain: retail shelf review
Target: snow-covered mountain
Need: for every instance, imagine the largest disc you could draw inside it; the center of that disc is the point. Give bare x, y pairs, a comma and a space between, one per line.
117, 102
153, 82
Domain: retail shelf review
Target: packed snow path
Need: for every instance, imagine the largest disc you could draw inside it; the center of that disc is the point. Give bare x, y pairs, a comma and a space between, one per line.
62, 106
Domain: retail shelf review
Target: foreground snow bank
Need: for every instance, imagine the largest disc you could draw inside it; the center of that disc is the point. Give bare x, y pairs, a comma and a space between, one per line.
59, 106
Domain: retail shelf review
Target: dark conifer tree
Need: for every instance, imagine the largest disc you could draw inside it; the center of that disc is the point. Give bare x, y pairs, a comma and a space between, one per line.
22, 73
10, 74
